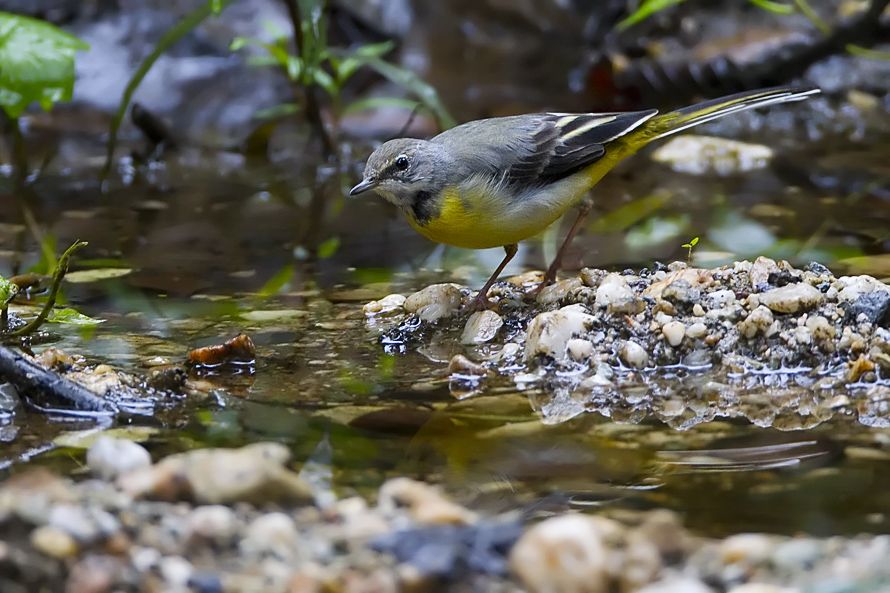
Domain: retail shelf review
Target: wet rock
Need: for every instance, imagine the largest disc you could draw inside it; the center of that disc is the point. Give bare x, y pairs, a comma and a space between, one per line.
481, 327
565, 554
680, 286
461, 365
792, 298
87, 525
758, 321
873, 307
746, 548
674, 332
216, 523
54, 542
633, 355
176, 572
450, 551
109, 458
850, 288
617, 297
239, 349
391, 304
254, 473
435, 302
558, 291
425, 503
579, 350
760, 271
272, 534
700, 155
697, 330
720, 299
676, 585
549, 332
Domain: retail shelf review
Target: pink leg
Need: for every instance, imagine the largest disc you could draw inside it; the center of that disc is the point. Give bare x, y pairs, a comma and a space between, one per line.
481, 301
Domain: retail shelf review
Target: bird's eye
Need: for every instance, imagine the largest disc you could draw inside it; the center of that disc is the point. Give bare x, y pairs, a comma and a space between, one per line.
402, 162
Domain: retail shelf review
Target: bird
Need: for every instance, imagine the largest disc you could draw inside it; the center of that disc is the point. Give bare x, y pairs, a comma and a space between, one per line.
497, 181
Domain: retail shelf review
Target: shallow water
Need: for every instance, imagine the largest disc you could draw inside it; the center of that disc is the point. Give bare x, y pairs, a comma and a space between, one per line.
215, 244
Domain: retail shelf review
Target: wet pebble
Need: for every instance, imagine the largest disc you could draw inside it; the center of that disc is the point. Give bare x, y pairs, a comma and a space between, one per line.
271, 534
564, 554
109, 457
481, 327
792, 298
425, 503
674, 332
549, 332
54, 542
633, 355
215, 523
759, 321
616, 296
461, 365
389, 305
435, 302
579, 349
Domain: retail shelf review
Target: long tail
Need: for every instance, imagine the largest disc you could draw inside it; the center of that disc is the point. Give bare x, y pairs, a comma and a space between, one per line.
682, 119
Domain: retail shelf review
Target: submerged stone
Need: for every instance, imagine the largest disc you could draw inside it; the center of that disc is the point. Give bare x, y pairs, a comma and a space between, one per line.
549, 332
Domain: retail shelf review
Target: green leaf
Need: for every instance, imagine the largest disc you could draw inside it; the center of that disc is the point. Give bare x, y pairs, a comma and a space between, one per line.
216, 6
773, 6
416, 85
646, 9
277, 111
71, 317
375, 102
324, 80
328, 247
8, 291
239, 43
36, 63
347, 62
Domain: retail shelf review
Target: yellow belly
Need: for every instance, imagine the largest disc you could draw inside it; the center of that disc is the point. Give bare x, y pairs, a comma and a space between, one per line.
476, 219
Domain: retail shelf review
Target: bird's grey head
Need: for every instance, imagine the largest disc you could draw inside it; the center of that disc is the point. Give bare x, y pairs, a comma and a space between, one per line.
401, 169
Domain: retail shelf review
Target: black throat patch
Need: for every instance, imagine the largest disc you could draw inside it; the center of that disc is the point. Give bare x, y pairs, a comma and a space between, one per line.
423, 207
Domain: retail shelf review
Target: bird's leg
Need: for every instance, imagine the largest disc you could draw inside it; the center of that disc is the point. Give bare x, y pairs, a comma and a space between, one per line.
550, 275
481, 301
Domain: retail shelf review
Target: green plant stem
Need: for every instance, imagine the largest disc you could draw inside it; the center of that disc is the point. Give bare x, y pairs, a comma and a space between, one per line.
167, 40
313, 111
19, 153
58, 275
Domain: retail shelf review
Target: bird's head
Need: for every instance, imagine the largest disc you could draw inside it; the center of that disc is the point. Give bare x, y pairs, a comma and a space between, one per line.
400, 169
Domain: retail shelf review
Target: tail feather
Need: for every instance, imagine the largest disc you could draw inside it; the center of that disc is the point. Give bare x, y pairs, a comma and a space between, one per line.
687, 117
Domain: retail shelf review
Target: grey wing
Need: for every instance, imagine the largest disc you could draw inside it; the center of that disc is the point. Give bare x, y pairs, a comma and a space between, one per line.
562, 143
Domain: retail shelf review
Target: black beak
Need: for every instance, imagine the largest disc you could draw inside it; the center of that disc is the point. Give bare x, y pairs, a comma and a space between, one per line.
362, 187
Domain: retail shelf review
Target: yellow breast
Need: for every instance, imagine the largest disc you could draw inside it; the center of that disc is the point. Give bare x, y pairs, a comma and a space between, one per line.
479, 216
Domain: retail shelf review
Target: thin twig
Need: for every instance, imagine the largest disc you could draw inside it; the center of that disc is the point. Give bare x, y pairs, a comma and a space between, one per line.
61, 270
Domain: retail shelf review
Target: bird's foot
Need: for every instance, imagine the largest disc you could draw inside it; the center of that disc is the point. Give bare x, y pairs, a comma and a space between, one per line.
480, 302
549, 278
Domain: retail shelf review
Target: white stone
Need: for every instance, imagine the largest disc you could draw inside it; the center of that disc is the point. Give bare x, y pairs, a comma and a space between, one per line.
758, 321
697, 330
435, 302
109, 458
481, 327
549, 332
614, 295
674, 332
634, 355
579, 349
564, 554
792, 298
388, 305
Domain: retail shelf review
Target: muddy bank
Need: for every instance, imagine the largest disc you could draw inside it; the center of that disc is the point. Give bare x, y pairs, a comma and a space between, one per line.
242, 520
753, 339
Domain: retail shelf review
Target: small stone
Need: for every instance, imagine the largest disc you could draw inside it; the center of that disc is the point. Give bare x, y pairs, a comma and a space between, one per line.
272, 534
874, 307
425, 503
614, 295
758, 321
558, 291
792, 298
698, 310
762, 588
176, 572
676, 585
859, 367
850, 288
481, 327
749, 549
526, 279
566, 554
634, 355
549, 332
435, 302
216, 523
697, 330
674, 332
389, 305
760, 272
461, 365
53, 542
85, 524
579, 350
109, 458
681, 291
720, 299
820, 328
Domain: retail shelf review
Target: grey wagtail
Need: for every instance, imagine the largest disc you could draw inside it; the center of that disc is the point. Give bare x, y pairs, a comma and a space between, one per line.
494, 182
